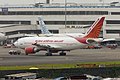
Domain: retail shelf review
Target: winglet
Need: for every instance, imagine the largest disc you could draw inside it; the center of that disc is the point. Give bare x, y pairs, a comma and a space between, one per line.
94, 30
44, 30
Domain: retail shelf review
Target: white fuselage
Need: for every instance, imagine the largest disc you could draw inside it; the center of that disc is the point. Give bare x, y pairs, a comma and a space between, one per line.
59, 43
60, 35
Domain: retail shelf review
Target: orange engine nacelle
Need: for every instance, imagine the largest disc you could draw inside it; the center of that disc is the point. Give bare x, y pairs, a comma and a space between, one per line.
31, 50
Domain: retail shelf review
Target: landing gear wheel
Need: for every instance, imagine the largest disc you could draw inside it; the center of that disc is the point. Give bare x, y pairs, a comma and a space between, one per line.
10, 53
62, 54
15, 53
18, 53
48, 54
26, 53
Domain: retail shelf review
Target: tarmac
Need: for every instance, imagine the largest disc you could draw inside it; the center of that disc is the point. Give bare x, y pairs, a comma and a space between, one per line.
80, 55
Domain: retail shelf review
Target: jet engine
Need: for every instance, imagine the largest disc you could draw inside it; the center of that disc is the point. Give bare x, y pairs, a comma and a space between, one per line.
31, 50
91, 41
93, 44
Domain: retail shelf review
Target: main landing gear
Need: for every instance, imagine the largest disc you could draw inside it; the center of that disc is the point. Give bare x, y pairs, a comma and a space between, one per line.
62, 53
49, 53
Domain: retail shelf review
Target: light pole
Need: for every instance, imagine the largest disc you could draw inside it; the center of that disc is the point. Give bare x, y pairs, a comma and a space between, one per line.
65, 13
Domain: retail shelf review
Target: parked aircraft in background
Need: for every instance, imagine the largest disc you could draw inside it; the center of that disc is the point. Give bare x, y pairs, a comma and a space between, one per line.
2, 37
47, 33
32, 45
110, 43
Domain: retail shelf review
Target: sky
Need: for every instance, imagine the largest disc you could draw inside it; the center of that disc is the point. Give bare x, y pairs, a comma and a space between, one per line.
12, 2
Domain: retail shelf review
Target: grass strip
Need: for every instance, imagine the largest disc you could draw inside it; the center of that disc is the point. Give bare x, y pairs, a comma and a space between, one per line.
63, 66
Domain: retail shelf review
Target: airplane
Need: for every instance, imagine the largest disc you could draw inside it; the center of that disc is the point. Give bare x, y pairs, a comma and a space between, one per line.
109, 43
35, 44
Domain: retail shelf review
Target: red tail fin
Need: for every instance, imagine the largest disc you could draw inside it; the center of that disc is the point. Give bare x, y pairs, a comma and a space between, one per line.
94, 30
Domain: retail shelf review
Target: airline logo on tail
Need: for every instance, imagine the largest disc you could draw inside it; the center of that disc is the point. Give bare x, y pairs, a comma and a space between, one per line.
94, 30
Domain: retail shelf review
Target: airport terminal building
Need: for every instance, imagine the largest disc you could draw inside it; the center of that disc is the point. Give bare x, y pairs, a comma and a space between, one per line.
18, 20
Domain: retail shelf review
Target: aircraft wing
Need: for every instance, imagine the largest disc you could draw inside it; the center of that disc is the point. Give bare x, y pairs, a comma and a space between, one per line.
46, 46
110, 43
111, 40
